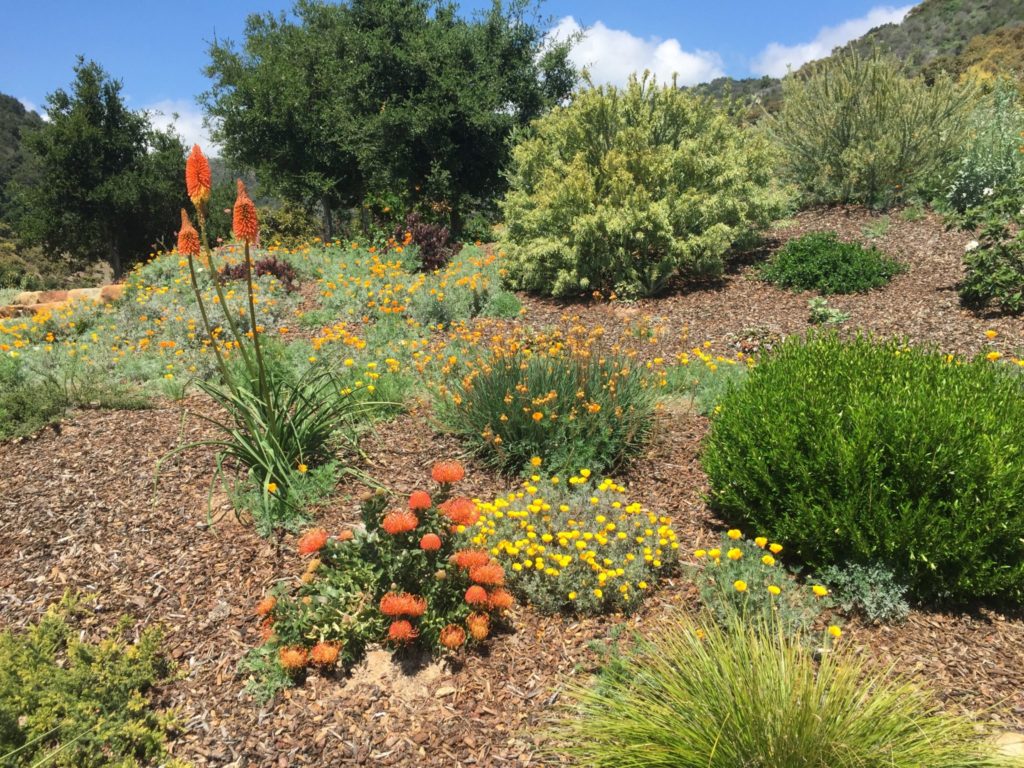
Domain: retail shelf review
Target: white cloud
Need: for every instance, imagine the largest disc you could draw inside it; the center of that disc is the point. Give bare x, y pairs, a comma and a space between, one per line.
611, 55
189, 124
776, 57
31, 106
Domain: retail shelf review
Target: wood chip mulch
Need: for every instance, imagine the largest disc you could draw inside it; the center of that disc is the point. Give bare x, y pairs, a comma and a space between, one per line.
80, 509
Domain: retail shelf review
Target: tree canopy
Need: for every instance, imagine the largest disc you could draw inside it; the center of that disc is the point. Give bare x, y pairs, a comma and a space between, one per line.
338, 104
109, 184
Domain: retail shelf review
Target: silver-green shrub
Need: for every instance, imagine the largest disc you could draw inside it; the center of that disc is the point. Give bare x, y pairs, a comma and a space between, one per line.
857, 130
625, 188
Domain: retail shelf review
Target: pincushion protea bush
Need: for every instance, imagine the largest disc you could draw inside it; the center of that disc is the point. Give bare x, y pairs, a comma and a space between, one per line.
410, 579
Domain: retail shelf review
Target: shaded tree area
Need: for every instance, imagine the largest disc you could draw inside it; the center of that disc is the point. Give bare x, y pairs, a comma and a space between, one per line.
398, 103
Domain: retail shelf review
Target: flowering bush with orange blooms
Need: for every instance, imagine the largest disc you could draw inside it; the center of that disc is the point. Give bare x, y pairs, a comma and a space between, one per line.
412, 577
561, 395
746, 579
571, 544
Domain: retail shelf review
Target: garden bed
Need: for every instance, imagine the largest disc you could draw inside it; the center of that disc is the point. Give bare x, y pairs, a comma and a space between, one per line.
79, 509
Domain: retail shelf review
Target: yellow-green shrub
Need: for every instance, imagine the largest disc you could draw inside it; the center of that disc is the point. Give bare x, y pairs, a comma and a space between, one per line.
626, 188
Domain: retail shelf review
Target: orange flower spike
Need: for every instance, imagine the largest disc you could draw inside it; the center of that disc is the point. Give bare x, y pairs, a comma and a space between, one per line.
188, 238
198, 179
245, 223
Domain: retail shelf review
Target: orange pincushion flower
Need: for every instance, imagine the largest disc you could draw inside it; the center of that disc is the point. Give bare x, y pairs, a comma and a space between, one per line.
292, 658
501, 600
476, 595
402, 631
312, 541
452, 636
245, 222
325, 654
487, 574
399, 522
447, 472
188, 238
430, 542
419, 500
198, 179
345, 535
460, 510
267, 630
266, 605
468, 558
479, 625
402, 605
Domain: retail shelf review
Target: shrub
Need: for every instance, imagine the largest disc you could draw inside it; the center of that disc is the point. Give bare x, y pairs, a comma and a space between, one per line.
553, 396
623, 189
65, 701
819, 261
868, 589
745, 580
290, 225
434, 246
410, 578
994, 271
856, 452
856, 130
697, 695
570, 544
25, 406
991, 164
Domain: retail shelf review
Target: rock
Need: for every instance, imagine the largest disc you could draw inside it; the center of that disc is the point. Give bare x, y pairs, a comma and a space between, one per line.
109, 293
1010, 744
84, 294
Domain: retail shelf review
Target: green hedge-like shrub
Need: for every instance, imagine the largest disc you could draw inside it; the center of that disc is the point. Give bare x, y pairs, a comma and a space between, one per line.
623, 189
856, 129
698, 695
820, 261
65, 702
864, 453
994, 271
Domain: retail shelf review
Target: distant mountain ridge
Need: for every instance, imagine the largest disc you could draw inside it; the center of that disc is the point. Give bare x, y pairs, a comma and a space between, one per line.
936, 35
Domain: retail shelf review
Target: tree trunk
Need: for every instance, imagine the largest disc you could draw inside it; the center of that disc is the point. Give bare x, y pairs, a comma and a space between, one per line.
328, 220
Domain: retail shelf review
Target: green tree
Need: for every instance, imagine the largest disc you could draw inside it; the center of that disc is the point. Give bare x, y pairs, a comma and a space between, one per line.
383, 98
15, 121
109, 183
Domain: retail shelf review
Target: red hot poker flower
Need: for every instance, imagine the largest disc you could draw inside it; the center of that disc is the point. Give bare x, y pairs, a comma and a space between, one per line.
245, 223
198, 179
188, 238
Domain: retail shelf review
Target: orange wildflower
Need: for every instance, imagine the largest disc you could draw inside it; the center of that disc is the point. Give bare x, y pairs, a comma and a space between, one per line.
399, 522
445, 472
345, 535
402, 631
198, 179
487, 574
453, 636
460, 510
245, 223
430, 542
479, 625
325, 654
312, 541
501, 600
419, 500
266, 605
468, 558
188, 238
267, 630
476, 595
292, 658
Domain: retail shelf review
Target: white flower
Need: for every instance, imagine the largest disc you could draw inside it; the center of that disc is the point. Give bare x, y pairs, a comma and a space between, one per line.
971, 245
988, 192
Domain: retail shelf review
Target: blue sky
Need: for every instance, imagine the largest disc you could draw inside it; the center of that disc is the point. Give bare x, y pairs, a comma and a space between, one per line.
158, 47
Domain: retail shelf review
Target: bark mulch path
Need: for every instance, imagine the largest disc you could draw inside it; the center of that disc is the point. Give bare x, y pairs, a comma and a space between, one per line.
79, 510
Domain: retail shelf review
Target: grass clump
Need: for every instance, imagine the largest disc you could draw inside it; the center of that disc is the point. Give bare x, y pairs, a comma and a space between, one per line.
698, 695
68, 702
867, 453
820, 261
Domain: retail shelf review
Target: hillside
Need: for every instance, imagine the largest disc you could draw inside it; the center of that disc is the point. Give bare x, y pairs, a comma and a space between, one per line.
14, 119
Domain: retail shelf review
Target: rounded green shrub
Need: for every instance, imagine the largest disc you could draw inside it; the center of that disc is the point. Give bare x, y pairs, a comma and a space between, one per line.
624, 189
820, 261
994, 271
700, 695
854, 452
